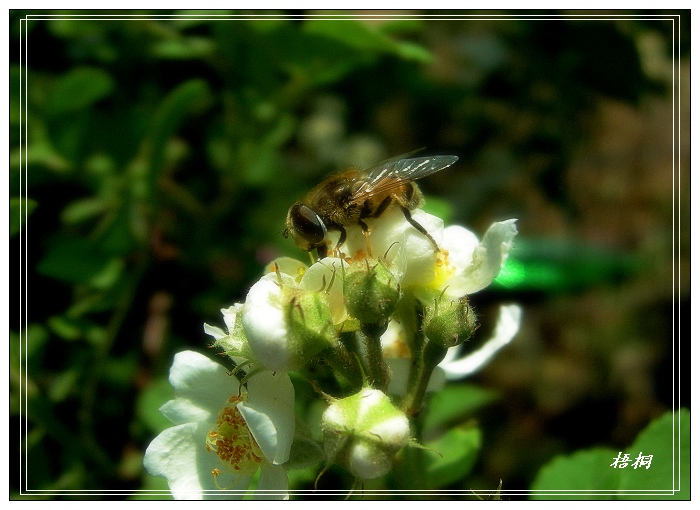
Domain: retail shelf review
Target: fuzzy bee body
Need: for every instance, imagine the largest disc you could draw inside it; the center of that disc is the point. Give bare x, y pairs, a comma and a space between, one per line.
349, 197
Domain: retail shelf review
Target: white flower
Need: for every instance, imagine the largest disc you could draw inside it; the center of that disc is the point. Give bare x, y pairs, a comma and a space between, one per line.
469, 265
463, 266
288, 315
223, 434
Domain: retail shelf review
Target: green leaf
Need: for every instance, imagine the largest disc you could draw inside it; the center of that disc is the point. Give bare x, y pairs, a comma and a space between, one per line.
592, 470
183, 49
41, 153
455, 402
20, 209
189, 97
64, 384
79, 89
83, 209
366, 38
353, 33
121, 371
70, 329
586, 470
659, 439
77, 260
150, 401
459, 449
412, 51
315, 59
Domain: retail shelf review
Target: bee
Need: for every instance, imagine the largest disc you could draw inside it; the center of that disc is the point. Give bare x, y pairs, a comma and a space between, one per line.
349, 197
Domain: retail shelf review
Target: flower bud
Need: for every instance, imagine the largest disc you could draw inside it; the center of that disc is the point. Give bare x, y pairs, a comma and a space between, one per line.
308, 316
286, 326
371, 293
450, 323
363, 432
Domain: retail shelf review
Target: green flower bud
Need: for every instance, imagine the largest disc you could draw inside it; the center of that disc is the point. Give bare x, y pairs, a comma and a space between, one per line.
308, 318
371, 293
286, 326
363, 432
449, 322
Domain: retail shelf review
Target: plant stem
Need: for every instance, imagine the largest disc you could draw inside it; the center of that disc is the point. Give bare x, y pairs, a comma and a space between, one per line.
378, 371
431, 355
345, 363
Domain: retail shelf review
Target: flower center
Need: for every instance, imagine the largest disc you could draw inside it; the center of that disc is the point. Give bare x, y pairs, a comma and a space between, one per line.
233, 442
444, 270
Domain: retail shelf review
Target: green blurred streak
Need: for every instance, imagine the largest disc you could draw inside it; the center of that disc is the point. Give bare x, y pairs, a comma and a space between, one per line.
553, 265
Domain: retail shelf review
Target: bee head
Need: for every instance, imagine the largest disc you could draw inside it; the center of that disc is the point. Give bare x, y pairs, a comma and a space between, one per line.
306, 227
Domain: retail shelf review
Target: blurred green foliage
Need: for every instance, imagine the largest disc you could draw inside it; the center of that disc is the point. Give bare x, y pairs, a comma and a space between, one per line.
154, 158
668, 468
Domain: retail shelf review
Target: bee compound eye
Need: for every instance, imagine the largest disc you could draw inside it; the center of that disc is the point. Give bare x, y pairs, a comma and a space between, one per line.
308, 225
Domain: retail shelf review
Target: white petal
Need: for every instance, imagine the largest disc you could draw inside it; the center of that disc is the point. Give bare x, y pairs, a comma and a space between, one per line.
390, 229
201, 381
264, 324
179, 455
217, 333
420, 252
269, 414
183, 410
230, 314
507, 326
487, 259
392, 431
327, 274
452, 353
394, 341
367, 461
272, 478
460, 244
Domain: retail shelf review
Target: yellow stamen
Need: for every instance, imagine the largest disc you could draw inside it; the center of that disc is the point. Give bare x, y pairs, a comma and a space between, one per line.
444, 270
233, 442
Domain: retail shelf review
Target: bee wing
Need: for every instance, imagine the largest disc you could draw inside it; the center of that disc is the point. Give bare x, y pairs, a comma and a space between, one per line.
394, 172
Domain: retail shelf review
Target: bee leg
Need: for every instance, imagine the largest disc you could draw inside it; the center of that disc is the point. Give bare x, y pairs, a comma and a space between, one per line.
365, 232
322, 251
419, 227
343, 236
